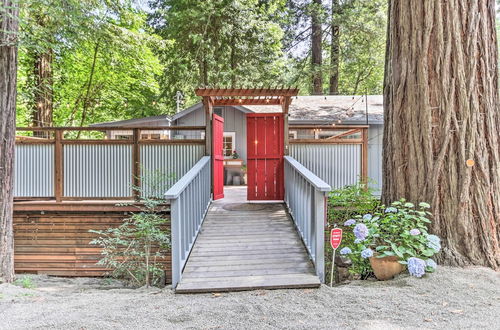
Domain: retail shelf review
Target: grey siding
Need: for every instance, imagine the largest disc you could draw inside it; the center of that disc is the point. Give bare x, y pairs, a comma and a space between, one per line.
234, 121
375, 135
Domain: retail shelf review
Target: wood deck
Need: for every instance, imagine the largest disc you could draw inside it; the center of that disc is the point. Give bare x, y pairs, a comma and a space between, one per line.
245, 250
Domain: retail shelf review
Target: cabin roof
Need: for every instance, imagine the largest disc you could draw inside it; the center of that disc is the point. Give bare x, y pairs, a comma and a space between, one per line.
317, 109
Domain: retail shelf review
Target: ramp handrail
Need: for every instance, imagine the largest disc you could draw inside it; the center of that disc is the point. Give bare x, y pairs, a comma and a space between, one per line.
189, 202
305, 197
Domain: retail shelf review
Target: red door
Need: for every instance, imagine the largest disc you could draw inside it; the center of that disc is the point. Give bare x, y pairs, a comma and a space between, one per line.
218, 156
265, 144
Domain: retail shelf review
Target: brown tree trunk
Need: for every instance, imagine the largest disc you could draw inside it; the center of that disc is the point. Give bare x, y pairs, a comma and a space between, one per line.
441, 110
316, 49
42, 114
334, 50
8, 76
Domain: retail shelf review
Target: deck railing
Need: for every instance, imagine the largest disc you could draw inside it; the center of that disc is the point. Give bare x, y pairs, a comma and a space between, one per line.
71, 163
305, 197
189, 202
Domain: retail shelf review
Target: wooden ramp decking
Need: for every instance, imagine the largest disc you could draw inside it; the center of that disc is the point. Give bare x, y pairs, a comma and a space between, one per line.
247, 247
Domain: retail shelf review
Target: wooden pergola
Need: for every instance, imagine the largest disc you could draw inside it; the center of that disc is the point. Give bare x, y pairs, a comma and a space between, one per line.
244, 96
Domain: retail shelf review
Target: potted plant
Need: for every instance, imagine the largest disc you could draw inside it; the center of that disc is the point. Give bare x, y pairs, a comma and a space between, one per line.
235, 155
393, 237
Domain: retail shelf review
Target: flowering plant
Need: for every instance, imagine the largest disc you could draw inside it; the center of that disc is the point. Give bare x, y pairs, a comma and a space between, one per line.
398, 230
235, 155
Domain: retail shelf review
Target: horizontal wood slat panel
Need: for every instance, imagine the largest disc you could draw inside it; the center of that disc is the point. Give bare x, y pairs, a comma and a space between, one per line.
57, 243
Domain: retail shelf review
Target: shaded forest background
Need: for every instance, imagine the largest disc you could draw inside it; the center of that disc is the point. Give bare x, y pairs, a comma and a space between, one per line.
88, 61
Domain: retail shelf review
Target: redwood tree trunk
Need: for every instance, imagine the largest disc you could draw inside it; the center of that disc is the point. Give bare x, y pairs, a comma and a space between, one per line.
334, 50
441, 110
316, 49
8, 69
42, 114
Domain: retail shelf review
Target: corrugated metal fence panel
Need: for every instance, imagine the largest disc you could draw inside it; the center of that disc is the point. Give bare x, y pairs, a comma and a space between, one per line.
162, 165
337, 164
34, 170
97, 170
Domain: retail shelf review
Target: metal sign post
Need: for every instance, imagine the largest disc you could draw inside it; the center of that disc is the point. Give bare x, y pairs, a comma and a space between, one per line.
335, 240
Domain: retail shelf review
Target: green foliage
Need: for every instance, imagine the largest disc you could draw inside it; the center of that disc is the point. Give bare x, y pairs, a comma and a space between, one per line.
135, 250
362, 29
25, 282
103, 65
217, 43
399, 230
344, 204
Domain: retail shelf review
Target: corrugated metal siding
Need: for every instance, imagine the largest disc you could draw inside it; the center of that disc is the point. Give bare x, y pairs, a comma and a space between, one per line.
34, 170
173, 160
337, 164
97, 170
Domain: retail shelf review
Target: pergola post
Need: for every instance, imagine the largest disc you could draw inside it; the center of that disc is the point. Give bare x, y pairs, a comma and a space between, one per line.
209, 109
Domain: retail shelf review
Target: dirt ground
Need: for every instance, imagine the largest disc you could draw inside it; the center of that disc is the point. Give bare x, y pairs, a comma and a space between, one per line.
452, 298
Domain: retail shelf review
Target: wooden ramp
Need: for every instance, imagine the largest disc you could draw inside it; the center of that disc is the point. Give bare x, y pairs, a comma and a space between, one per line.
246, 247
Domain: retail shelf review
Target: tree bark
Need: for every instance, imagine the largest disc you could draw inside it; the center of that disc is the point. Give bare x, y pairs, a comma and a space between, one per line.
8, 76
334, 49
43, 96
441, 110
316, 49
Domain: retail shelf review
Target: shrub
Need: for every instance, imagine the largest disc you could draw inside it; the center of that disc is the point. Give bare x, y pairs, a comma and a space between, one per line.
135, 249
398, 230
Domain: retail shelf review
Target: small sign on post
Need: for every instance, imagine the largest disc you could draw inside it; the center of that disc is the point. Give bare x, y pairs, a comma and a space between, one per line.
335, 240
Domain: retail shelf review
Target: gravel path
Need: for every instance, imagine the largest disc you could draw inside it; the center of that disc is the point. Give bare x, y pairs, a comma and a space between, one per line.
453, 298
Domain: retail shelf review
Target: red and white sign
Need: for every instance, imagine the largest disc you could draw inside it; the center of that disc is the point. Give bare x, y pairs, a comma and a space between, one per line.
335, 237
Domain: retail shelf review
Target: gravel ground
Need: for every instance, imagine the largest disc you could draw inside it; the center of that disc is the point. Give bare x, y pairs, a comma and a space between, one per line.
452, 298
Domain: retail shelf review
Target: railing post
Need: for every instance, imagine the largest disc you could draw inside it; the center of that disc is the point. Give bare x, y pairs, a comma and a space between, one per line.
136, 162
175, 234
58, 166
319, 234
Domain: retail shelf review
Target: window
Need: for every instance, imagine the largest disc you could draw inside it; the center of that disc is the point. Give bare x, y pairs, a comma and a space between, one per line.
229, 142
292, 135
218, 111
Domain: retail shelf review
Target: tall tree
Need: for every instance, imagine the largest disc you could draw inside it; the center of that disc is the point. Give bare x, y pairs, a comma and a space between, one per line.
8, 77
334, 48
316, 48
442, 122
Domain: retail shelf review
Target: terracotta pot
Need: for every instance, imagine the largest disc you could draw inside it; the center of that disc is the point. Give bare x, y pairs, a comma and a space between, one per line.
386, 268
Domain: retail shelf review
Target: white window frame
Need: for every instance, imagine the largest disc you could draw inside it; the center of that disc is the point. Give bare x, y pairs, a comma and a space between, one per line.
233, 135
292, 134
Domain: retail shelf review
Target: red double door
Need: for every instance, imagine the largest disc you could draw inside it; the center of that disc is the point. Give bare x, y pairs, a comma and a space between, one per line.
265, 151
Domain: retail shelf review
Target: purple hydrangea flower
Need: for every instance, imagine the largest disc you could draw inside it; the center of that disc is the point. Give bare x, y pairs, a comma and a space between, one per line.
416, 267
345, 251
357, 241
431, 263
391, 209
414, 232
367, 217
360, 231
367, 253
349, 222
433, 242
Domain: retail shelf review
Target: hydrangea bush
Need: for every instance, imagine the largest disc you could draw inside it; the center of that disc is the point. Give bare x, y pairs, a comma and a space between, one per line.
398, 230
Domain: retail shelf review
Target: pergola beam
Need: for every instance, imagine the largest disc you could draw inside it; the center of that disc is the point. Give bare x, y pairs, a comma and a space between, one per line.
254, 92
243, 101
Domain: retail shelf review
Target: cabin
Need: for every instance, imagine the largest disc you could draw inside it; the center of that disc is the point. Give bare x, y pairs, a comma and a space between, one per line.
313, 119
251, 172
